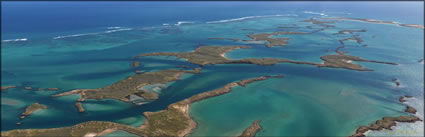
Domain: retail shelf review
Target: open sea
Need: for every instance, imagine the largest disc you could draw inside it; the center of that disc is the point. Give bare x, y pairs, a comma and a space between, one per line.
78, 45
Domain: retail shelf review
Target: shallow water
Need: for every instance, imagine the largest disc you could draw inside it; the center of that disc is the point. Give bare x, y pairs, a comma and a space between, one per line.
308, 101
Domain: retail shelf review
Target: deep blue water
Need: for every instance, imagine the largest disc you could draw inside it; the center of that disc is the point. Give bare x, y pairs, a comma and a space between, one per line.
49, 19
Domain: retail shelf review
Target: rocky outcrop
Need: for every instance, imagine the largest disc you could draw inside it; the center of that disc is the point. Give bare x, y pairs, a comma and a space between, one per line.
79, 106
32, 108
7, 87
384, 123
251, 130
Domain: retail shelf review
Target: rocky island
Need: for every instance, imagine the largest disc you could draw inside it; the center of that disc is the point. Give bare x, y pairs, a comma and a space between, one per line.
122, 90
32, 108
251, 130
7, 87
388, 122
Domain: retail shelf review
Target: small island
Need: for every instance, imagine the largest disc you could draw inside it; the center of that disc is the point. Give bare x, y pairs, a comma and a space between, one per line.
79, 107
122, 90
32, 108
6, 87
251, 130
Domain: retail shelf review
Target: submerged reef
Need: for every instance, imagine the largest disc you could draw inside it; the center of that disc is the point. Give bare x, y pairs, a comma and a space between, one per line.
251, 130
377, 22
350, 31
32, 108
122, 89
173, 121
210, 55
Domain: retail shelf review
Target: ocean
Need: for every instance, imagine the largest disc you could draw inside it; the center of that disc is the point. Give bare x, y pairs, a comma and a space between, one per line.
79, 45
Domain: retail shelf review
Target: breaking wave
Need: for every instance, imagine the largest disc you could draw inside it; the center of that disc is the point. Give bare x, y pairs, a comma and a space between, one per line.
249, 17
15, 40
183, 22
112, 29
317, 13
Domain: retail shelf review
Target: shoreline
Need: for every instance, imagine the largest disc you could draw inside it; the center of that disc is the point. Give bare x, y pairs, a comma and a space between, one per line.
389, 122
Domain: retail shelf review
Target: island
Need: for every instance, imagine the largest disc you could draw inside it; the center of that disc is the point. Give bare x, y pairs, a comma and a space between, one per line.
6, 87
28, 88
32, 108
266, 37
320, 23
79, 106
173, 121
251, 130
132, 85
210, 55
403, 98
377, 22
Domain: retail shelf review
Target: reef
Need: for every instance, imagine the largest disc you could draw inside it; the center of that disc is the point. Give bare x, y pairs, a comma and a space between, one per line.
377, 22
350, 31
28, 88
32, 108
395, 80
7, 87
251, 130
173, 121
122, 89
410, 109
210, 55
403, 98
135, 64
48, 89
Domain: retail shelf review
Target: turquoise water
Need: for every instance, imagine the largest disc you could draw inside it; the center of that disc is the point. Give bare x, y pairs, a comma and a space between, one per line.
308, 101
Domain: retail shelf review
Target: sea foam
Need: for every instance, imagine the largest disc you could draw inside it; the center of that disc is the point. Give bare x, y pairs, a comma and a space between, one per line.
183, 22
317, 13
15, 40
249, 17
112, 29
